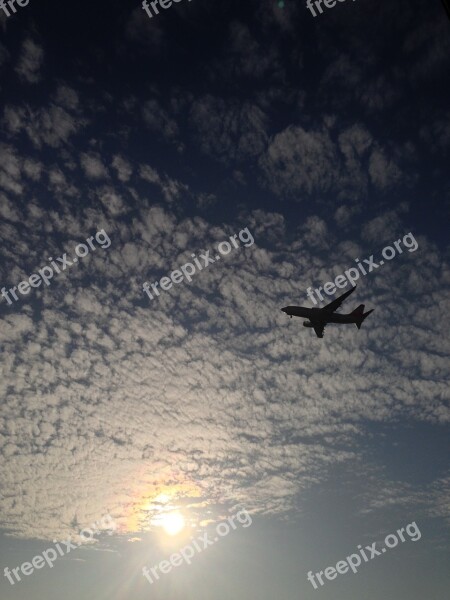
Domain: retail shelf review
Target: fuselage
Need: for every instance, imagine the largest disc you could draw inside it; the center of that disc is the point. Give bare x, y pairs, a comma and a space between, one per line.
317, 315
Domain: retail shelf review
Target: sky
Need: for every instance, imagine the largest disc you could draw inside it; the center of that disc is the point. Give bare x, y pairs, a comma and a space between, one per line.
272, 150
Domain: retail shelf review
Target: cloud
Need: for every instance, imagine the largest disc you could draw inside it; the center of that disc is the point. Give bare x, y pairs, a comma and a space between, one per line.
52, 126
93, 166
384, 172
301, 162
112, 399
123, 168
298, 160
138, 28
112, 201
30, 62
208, 395
67, 97
170, 188
228, 130
385, 227
430, 45
437, 134
33, 169
246, 58
158, 119
10, 170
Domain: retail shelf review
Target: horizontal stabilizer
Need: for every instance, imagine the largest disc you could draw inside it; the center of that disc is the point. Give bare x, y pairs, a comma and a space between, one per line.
363, 316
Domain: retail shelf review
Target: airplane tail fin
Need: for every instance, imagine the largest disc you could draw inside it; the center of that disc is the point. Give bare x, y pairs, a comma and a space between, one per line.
359, 315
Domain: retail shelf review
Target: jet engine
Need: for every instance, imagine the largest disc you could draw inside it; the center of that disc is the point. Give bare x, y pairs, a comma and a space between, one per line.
307, 324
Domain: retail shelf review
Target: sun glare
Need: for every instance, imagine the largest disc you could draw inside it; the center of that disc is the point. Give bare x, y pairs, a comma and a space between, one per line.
172, 523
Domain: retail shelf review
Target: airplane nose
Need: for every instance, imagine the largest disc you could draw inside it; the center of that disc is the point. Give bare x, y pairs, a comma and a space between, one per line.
283, 310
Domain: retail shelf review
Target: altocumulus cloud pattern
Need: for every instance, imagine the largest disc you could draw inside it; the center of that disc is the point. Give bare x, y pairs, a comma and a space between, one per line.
326, 139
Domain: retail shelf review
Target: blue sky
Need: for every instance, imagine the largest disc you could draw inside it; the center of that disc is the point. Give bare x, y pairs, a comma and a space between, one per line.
328, 138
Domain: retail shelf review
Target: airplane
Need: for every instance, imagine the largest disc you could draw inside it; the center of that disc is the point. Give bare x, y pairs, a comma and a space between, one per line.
320, 317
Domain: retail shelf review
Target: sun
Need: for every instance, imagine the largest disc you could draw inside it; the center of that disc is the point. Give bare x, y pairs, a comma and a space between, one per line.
172, 522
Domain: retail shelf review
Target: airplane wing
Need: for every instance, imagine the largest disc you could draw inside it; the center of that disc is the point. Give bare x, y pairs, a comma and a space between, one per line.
318, 328
335, 304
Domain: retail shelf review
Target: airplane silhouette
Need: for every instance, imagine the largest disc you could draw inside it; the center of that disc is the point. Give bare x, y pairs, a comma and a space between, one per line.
320, 317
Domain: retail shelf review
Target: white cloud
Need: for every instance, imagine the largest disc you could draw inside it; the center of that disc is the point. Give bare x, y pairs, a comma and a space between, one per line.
30, 62
112, 399
93, 166
171, 189
384, 173
299, 160
67, 97
123, 167
53, 125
